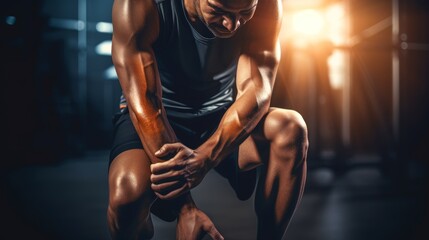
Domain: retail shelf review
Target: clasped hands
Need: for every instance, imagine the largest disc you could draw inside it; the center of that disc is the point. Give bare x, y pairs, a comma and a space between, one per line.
179, 174
176, 176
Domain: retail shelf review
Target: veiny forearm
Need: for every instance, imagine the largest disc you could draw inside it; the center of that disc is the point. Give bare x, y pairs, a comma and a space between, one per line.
149, 117
135, 29
234, 128
153, 129
142, 90
256, 72
253, 101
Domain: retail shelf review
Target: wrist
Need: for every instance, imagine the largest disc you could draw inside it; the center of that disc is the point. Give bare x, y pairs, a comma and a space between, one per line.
210, 161
187, 204
187, 208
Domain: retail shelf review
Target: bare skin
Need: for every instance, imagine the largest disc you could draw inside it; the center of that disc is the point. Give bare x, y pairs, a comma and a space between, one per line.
275, 139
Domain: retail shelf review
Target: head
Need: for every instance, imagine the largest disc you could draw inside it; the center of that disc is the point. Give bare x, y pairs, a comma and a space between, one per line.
224, 17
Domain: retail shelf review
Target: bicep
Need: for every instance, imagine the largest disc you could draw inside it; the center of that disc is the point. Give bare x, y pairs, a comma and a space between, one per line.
258, 63
135, 20
135, 28
262, 31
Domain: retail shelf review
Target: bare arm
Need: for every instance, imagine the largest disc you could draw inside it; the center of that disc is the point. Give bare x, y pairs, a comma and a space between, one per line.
256, 72
135, 28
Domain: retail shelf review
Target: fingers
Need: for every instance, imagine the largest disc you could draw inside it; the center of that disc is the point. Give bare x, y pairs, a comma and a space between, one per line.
167, 176
173, 194
168, 148
215, 234
163, 167
167, 187
177, 162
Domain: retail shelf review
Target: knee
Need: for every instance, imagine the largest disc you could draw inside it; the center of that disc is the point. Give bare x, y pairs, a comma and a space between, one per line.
128, 213
289, 131
126, 191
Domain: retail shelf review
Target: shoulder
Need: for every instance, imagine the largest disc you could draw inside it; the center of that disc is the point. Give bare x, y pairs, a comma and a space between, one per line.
271, 9
264, 27
135, 19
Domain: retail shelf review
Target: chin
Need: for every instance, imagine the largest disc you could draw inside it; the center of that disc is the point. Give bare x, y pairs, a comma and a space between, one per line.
222, 34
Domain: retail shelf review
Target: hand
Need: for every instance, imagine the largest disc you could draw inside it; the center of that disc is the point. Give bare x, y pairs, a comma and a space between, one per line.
194, 224
184, 171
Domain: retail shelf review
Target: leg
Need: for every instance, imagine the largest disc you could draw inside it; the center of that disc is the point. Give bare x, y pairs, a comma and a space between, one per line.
280, 143
130, 196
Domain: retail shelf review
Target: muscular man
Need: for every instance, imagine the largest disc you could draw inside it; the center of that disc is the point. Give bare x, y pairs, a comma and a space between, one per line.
197, 78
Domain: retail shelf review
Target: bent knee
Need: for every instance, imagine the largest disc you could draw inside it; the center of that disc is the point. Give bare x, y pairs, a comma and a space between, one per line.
288, 132
125, 190
286, 126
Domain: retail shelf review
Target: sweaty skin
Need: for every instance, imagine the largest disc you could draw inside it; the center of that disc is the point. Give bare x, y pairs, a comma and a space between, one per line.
135, 64
167, 169
256, 70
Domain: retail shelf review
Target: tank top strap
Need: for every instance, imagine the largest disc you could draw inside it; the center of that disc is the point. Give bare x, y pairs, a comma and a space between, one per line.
166, 21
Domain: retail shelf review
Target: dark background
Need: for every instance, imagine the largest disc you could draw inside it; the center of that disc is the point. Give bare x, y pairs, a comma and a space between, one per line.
58, 101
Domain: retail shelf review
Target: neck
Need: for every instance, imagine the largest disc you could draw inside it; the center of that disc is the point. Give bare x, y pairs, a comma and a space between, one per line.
193, 15
190, 10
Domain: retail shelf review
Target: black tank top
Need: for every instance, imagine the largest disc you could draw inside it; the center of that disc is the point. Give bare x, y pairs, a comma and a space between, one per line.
197, 72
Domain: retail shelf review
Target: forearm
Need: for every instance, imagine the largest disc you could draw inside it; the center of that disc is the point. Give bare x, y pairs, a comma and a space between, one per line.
255, 79
151, 124
235, 126
256, 72
154, 131
135, 29
141, 87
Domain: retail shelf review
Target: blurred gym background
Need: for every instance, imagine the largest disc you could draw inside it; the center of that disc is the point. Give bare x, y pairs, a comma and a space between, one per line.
357, 70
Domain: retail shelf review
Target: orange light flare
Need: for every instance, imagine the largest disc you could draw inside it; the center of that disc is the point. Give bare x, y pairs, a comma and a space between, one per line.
322, 28
304, 26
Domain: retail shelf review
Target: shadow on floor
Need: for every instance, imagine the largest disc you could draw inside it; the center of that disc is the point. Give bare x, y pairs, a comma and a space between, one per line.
68, 200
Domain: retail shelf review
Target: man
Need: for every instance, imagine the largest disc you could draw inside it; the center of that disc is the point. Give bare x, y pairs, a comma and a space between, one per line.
197, 78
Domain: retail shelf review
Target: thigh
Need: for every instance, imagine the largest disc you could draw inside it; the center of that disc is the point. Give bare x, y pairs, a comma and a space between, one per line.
125, 136
129, 166
254, 149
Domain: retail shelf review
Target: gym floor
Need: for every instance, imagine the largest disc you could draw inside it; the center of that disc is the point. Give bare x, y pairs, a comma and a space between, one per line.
68, 200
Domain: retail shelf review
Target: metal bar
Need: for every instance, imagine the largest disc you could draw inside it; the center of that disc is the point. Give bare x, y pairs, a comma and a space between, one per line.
346, 103
374, 103
82, 63
371, 31
67, 24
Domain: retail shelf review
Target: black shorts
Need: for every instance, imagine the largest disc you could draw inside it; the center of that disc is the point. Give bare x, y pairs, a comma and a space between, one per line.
191, 132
